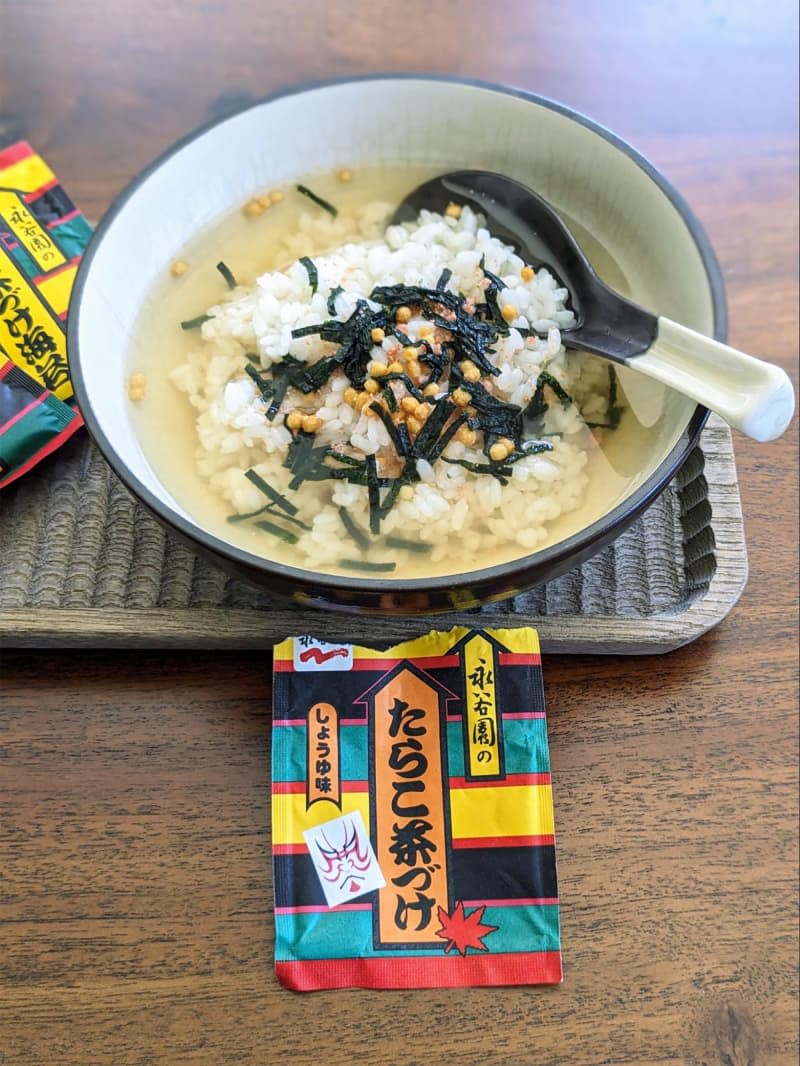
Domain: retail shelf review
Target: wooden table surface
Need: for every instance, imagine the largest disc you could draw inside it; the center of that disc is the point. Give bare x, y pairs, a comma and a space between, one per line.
135, 887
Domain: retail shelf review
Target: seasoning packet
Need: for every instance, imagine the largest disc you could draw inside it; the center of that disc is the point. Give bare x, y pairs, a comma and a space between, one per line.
42, 237
412, 814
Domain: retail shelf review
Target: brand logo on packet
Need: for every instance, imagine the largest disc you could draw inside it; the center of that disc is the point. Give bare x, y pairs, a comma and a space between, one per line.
310, 654
343, 858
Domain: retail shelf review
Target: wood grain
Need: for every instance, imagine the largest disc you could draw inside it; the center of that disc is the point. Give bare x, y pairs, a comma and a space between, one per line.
135, 897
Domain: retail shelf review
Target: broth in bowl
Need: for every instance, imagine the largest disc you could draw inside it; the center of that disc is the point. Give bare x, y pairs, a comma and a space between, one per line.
322, 388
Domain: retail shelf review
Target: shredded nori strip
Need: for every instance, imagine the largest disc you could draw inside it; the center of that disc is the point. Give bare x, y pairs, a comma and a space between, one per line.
225, 270
308, 463
391, 429
373, 494
195, 323
398, 334
355, 477
530, 447
302, 460
311, 270
501, 471
533, 415
391, 399
252, 357
281, 388
270, 510
278, 531
350, 460
556, 386
266, 388
428, 435
405, 437
444, 277
354, 529
366, 565
437, 364
354, 337
447, 436
420, 546
270, 493
267, 509
614, 409
390, 498
492, 303
411, 388
304, 189
332, 299
495, 417
272, 392
308, 331
395, 296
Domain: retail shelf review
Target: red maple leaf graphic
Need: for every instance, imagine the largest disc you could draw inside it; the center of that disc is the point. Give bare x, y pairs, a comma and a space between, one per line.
462, 931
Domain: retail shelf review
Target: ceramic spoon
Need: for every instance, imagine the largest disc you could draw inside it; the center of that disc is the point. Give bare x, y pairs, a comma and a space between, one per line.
752, 396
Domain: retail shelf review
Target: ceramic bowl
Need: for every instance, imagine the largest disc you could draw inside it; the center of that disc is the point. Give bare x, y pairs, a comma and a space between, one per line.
601, 185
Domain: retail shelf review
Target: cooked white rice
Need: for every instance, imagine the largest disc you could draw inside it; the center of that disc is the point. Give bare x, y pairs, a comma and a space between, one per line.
459, 512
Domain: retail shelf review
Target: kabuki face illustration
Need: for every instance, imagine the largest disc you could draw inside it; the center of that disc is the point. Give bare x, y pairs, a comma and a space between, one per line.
343, 858
344, 864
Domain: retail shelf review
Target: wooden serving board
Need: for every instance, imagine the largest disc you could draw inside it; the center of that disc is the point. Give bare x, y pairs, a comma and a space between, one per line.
83, 565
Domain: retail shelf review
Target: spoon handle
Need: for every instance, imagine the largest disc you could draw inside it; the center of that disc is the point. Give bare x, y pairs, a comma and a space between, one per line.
754, 397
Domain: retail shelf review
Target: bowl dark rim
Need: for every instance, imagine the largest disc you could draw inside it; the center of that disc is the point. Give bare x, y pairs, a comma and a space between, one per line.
552, 558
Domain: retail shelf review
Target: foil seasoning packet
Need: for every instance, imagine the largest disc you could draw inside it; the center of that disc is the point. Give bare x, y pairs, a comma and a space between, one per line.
412, 815
42, 238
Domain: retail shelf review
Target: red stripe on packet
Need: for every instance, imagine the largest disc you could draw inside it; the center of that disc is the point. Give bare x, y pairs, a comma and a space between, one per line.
431, 662
441, 971
504, 842
289, 849
298, 788
285, 722
547, 902
15, 153
509, 781
58, 270
30, 197
66, 218
21, 414
323, 908
515, 658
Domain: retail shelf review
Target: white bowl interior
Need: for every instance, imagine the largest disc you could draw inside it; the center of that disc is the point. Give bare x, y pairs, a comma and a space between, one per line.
601, 189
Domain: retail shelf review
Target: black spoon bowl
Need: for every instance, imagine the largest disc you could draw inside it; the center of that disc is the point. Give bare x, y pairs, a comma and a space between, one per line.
752, 396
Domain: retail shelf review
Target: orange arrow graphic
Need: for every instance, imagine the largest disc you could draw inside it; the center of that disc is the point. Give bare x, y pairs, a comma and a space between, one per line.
409, 806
